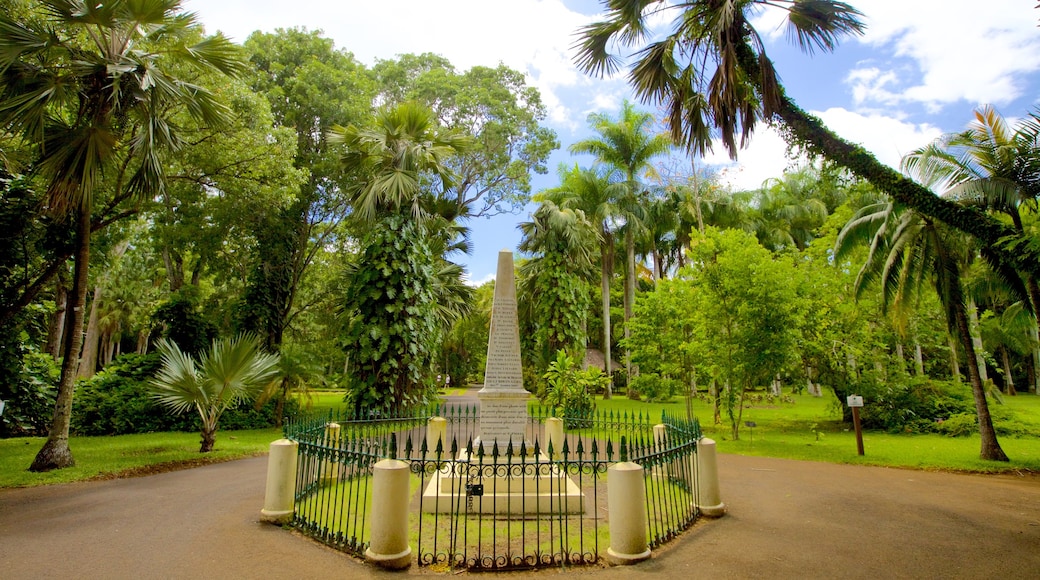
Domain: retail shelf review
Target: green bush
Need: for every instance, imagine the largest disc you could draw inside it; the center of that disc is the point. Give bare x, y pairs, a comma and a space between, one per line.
28, 392
116, 402
959, 425
905, 404
655, 388
569, 390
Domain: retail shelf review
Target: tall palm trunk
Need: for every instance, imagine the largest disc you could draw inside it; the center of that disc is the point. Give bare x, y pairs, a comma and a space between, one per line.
630, 298
605, 276
55, 453
991, 449
976, 339
955, 366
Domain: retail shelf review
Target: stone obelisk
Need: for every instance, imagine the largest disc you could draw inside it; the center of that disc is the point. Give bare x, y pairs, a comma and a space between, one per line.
503, 400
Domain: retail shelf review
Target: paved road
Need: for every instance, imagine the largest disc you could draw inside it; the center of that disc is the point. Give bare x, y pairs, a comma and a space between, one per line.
787, 519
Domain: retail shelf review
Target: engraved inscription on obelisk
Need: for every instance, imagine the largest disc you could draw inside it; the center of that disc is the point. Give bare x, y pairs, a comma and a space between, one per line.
503, 400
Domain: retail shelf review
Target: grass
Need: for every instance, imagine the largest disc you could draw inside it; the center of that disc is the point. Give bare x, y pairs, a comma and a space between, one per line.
127, 455
811, 429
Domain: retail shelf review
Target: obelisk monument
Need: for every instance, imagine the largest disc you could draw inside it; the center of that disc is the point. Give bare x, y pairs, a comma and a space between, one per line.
503, 400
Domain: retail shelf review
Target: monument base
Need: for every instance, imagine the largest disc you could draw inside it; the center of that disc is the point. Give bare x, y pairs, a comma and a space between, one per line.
527, 487
503, 418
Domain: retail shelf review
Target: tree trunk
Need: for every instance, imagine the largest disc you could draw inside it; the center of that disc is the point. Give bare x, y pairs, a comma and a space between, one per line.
976, 339
142, 342
209, 438
901, 356
918, 360
955, 365
1009, 381
605, 276
57, 327
174, 269
55, 453
1034, 382
809, 133
990, 447
89, 357
630, 297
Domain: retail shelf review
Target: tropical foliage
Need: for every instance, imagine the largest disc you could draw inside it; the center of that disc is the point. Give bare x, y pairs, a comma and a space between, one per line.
232, 371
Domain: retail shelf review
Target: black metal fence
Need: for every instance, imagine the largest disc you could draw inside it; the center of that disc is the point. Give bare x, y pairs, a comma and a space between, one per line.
480, 506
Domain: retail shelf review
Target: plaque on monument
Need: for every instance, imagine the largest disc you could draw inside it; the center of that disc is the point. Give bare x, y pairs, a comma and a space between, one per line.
503, 400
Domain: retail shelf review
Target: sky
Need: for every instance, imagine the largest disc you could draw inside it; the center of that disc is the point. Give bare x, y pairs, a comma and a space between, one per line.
920, 70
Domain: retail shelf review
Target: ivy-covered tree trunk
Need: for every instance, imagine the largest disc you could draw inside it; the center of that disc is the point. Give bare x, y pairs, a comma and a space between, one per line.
804, 130
392, 318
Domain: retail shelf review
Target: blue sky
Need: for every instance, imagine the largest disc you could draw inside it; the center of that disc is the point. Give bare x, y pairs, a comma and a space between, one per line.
920, 70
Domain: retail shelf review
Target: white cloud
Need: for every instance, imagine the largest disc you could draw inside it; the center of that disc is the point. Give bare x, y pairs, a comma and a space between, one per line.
533, 36
765, 157
964, 51
887, 137
958, 49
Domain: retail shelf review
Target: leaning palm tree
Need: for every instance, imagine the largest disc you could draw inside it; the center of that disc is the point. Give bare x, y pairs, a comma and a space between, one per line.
993, 167
905, 251
711, 72
88, 86
627, 145
591, 191
234, 370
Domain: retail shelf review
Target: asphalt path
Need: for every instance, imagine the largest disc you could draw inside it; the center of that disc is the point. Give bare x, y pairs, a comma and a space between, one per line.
787, 519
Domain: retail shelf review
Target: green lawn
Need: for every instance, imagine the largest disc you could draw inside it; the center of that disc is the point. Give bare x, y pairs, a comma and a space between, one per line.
809, 429
125, 455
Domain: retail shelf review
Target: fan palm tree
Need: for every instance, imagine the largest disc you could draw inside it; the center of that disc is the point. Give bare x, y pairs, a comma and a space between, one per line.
403, 145
234, 370
591, 191
712, 72
627, 145
88, 85
993, 167
906, 250
393, 295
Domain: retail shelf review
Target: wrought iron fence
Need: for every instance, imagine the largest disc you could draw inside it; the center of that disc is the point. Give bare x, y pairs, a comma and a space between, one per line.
479, 506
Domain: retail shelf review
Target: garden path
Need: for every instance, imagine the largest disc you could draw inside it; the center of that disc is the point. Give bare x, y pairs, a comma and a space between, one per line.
787, 519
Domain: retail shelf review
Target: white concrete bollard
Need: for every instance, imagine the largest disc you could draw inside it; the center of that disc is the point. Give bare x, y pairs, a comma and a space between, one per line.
626, 506
437, 430
389, 530
708, 480
330, 469
553, 436
280, 495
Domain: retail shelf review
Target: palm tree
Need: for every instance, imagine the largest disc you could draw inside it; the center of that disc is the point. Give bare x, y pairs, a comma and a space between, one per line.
563, 242
787, 213
905, 251
591, 191
993, 167
402, 145
87, 85
712, 71
234, 370
402, 293
626, 145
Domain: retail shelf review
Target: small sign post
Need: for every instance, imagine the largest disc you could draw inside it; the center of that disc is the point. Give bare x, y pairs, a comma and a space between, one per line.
855, 402
751, 425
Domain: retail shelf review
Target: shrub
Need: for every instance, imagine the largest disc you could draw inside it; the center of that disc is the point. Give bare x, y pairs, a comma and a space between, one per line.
569, 389
911, 404
655, 388
28, 392
116, 401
